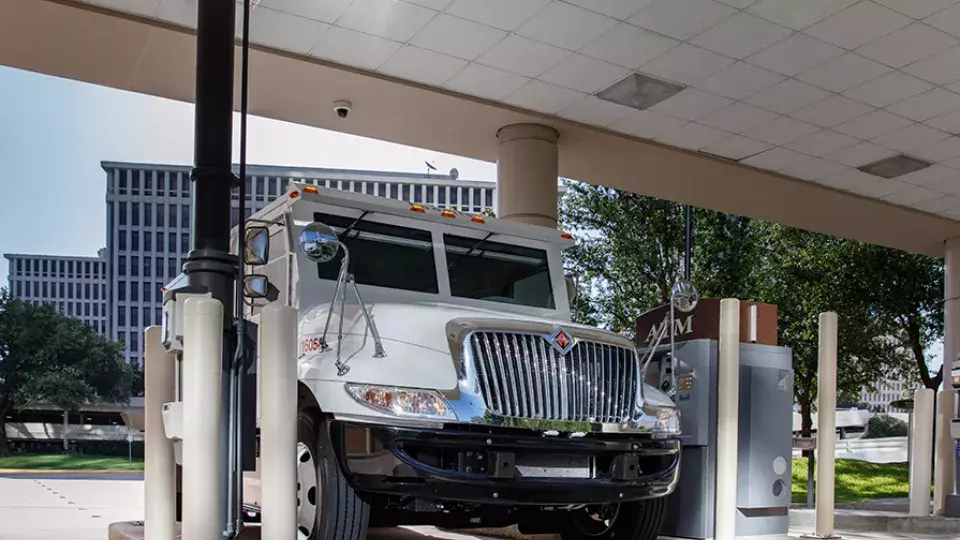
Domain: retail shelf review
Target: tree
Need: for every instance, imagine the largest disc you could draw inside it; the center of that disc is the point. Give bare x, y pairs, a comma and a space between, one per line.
48, 357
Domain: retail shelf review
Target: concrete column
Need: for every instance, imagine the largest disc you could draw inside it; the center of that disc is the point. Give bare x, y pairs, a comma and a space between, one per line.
826, 424
945, 464
728, 407
527, 174
920, 457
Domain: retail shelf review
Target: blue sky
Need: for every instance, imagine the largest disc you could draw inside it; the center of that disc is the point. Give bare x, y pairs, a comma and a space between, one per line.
55, 132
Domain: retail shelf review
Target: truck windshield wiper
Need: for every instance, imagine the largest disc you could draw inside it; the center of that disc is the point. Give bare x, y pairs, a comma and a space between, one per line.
469, 251
350, 227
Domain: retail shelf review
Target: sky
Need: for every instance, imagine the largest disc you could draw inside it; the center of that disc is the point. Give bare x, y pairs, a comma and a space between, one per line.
55, 132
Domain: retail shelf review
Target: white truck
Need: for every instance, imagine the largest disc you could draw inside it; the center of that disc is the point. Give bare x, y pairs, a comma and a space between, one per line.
441, 380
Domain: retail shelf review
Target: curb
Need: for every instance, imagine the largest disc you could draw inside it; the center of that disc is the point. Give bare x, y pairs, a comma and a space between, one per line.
881, 522
70, 471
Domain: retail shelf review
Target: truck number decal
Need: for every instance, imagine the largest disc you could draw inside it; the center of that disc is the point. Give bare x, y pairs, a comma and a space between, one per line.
310, 345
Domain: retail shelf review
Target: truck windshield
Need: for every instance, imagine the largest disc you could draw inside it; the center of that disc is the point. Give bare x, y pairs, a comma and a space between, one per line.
498, 272
383, 255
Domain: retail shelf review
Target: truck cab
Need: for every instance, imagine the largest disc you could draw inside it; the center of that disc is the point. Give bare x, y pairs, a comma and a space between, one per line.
441, 380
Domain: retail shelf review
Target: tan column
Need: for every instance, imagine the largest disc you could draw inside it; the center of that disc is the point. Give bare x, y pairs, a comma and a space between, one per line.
527, 174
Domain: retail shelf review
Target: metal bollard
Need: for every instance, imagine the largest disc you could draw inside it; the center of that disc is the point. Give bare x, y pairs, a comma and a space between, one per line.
202, 477
728, 408
922, 453
826, 425
278, 431
945, 450
159, 465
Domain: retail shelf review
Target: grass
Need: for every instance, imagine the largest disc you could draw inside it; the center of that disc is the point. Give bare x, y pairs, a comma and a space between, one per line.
857, 481
73, 462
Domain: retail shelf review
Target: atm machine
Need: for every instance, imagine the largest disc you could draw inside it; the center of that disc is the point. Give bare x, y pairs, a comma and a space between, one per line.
765, 421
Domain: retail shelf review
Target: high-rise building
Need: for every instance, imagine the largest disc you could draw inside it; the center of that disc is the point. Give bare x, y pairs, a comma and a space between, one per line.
148, 224
75, 286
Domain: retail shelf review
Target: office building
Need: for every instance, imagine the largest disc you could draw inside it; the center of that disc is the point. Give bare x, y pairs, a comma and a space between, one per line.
880, 395
148, 224
75, 286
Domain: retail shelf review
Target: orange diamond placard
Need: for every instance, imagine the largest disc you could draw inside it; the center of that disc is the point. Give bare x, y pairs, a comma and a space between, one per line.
561, 340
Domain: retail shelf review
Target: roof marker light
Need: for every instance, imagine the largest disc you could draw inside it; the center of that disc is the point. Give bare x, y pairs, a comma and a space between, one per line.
294, 194
478, 219
566, 236
310, 189
448, 213
418, 208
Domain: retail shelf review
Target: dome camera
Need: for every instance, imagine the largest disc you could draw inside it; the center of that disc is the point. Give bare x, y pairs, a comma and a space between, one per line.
342, 108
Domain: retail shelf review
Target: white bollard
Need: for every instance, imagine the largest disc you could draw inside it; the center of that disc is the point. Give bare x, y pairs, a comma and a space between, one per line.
945, 450
922, 454
278, 427
728, 409
202, 361
159, 465
826, 424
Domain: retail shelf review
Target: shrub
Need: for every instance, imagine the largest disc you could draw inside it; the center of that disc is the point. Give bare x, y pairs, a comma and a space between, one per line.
884, 425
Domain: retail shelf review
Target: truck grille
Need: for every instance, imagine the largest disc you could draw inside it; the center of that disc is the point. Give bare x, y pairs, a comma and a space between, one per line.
523, 376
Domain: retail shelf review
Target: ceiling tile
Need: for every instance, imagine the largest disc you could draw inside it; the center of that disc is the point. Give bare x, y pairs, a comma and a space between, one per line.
180, 12
927, 105
910, 137
858, 25
284, 31
146, 8
422, 66
938, 204
739, 4
930, 175
524, 56
798, 15
787, 96
780, 131
327, 11
907, 45
832, 111
618, 9
354, 48
594, 111
629, 46
949, 122
873, 125
542, 97
738, 117
472, 39
847, 179
485, 82
912, 196
393, 19
739, 81
822, 143
940, 68
584, 74
776, 159
939, 151
741, 35
917, 9
843, 72
691, 104
686, 64
736, 148
503, 14
566, 26
693, 136
888, 89
814, 169
795, 55
432, 4
947, 20
861, 154
647, 124
949, 184
880, 187
681, 19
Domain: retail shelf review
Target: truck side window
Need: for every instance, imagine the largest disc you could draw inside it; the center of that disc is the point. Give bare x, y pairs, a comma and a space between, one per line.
378, 253
497, 272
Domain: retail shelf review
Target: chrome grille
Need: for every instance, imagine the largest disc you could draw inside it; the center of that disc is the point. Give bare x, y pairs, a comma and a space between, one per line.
523, 376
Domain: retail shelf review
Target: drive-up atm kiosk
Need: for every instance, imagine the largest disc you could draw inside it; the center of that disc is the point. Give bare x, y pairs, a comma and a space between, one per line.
765, 420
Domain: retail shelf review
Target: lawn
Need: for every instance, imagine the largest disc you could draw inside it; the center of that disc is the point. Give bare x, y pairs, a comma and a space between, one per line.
74, 462
857, 481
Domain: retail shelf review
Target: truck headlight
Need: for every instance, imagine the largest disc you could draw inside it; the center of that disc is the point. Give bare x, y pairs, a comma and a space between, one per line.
668, 421
409, 402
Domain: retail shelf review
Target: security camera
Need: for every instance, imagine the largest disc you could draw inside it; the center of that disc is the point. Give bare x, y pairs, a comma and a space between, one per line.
342, 108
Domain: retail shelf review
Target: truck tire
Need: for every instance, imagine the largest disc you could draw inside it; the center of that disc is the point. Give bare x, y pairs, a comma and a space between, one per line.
628, 521
327, 508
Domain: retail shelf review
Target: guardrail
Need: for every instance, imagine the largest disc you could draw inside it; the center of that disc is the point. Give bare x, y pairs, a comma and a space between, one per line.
36, 431
885, 450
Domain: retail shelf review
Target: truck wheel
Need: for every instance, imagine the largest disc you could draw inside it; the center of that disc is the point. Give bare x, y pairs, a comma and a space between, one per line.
629, 521
327, 508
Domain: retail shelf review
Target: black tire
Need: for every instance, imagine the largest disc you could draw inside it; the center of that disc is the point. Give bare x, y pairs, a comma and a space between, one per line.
338, 513
632, 521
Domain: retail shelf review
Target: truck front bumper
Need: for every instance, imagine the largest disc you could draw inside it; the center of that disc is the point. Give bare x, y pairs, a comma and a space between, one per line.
511, 467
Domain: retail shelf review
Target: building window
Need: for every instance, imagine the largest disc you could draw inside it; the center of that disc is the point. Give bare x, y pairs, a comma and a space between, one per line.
148, 183
19, 288
36, 289
46, 267
86, 309
147, 242
63, 308
134, 266
86, 269
157, 315
248, 188
122, 338
45, 289
86, 291
160, 210
135, 182
70, 290
184, 185
121, 181
135, 213
60, 267
60, 288
146, 266
135, 343
122, 240
184, 243
70, 308
172, 214
147, 214
158, 267
122, 291
184, 216
134, 317
122, 316
121, 265
123, 212
159, 242
19, 267
172, 267
134, 292
146, 291
96, 292
96, 310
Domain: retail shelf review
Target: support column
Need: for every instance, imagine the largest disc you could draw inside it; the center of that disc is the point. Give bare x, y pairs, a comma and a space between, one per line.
944, 475
527, 174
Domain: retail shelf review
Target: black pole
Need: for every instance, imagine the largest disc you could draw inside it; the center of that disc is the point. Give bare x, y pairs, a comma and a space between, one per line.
688, 237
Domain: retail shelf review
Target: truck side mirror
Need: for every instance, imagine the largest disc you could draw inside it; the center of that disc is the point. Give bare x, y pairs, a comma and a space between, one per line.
257, 248
319, 242
256, 286
573, 292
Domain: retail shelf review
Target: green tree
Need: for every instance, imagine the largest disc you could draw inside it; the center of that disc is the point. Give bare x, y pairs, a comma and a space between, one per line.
47, 357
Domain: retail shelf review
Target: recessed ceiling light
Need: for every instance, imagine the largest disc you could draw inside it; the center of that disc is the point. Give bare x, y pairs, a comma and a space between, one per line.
895, 166
640, 91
